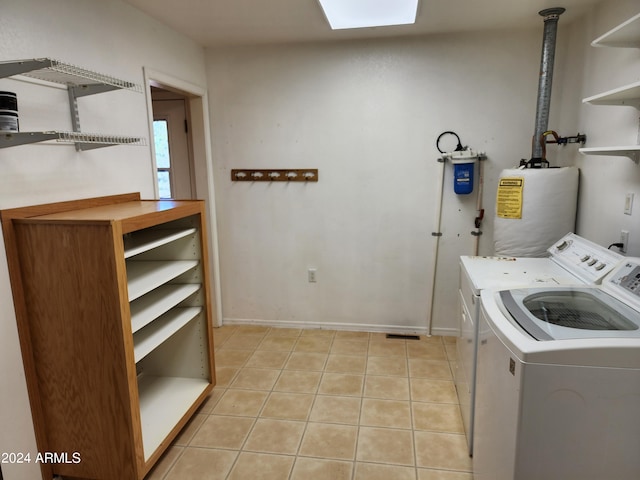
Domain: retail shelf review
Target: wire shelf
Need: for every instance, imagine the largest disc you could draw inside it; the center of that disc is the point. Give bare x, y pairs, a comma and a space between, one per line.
80, 82
78, 137
83, 141
55, 71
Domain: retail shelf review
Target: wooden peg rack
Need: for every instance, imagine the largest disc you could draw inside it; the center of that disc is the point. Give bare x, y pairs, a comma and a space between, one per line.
275, 175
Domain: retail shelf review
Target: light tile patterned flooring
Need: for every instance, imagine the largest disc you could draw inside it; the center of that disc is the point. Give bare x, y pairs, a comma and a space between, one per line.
316, 404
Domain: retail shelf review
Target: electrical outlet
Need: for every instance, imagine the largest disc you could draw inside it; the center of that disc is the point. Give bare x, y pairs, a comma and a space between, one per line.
624, 240
311, 275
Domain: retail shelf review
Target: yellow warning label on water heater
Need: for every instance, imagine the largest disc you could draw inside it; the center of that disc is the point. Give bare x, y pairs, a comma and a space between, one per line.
509, 199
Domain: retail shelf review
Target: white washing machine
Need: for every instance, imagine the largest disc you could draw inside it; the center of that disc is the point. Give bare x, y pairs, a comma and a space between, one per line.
559, 381
572, 260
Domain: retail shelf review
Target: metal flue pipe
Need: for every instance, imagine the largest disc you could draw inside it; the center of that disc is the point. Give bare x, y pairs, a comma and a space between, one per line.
546, 77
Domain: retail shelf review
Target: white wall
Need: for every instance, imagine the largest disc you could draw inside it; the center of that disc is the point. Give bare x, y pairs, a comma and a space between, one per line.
604, 180
108, 37
367, 114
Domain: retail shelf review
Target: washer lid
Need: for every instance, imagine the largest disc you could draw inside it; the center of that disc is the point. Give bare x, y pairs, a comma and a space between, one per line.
570, 312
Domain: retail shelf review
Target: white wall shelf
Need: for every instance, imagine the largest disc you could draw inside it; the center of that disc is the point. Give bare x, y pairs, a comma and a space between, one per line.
625, 95
80, 82
625, 35
632, 152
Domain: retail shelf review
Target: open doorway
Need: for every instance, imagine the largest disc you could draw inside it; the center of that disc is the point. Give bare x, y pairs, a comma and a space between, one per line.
168, 95
172, 141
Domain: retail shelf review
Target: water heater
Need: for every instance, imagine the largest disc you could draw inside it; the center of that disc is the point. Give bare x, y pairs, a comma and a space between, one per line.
535, 207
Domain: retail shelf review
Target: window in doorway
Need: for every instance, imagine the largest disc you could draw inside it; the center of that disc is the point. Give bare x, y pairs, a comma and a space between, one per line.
163, 158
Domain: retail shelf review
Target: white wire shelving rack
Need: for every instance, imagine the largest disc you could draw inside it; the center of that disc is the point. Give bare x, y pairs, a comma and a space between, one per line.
80, 82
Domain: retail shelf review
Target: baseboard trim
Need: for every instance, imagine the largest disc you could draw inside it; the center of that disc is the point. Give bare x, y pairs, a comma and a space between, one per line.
351, 327
445, 332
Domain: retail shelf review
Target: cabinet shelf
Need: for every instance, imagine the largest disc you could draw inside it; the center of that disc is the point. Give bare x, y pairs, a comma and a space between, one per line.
163, 403
625, 95
145, 241
147, 308
625, 35
632, 151
150, 337
148, 275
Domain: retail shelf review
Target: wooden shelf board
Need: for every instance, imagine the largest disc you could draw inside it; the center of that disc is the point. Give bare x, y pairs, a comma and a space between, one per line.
147, 308
163, 403
142, 277
134, 215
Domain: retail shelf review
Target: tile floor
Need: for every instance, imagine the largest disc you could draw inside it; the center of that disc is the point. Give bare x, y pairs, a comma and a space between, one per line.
315, 404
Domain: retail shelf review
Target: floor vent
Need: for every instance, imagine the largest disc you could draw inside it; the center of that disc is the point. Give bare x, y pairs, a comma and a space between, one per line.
402, 337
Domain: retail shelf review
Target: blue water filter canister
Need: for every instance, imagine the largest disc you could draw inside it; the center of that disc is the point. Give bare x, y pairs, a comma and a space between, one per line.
463, 163
463, 178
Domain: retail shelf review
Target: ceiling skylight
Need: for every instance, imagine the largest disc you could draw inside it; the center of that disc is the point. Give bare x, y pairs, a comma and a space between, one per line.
343, 14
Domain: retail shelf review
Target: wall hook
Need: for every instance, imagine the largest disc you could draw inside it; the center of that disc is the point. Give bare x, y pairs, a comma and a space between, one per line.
275, 175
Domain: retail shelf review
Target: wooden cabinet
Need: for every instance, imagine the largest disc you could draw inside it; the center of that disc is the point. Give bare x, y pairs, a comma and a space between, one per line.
114, 315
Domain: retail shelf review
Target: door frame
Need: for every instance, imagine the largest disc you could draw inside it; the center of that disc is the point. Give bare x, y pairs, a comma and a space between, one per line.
197, 102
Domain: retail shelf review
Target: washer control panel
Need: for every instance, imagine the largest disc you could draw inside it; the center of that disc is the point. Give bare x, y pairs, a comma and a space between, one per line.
631, 282
586, 260
627, 277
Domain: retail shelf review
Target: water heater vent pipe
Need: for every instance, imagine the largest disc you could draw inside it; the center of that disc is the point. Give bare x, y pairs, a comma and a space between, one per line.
551, 16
